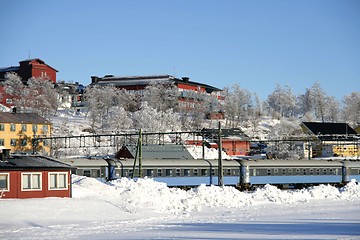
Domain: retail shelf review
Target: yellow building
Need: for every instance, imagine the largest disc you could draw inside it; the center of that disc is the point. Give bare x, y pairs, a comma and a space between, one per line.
17, 131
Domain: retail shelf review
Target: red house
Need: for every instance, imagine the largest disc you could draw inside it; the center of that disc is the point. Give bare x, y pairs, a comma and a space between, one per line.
36, 68
33, 177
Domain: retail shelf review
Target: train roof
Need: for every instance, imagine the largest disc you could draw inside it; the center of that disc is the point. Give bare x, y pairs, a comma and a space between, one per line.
287, 163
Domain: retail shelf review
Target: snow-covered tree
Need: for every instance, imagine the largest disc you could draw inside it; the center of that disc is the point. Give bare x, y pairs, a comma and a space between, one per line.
152, 120
100, 100
351, 110
282, 101
237, 104
332, 110
161, 95
15, 88
41, 97
319, 97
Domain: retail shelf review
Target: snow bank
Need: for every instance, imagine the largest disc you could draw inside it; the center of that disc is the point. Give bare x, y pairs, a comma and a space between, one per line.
147, 194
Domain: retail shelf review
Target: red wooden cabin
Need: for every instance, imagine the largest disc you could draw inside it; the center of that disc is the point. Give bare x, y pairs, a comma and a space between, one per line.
33, 177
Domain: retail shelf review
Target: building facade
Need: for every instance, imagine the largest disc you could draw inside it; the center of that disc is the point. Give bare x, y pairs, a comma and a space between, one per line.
33, 177
190, 93
17, 131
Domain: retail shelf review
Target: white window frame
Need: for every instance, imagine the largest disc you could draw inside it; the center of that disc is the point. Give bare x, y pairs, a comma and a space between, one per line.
31, 183
57, 181
7, 189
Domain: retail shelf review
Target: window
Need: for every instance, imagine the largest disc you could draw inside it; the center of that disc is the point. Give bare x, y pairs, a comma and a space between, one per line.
12, 127
149, 172
195, 172
87, 173
4, 181
23, 127
159, 172
2, 142
31, 181
45, 128
23, 142
186, 172
34, 128
2, 127
203, 172
168, 172
12, 142
178, 172
58, 180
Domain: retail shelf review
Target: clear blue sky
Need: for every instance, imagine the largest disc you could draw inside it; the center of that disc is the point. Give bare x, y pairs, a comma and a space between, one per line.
254, 43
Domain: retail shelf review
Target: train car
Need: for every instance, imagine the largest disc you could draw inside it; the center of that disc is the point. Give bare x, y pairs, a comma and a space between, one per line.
242, 173
181, 173
290, 173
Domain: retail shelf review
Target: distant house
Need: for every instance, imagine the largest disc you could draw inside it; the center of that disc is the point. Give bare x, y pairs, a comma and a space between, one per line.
234, 141
27, 69
33, 177
335, 139
17, 131
188, 90
71, 95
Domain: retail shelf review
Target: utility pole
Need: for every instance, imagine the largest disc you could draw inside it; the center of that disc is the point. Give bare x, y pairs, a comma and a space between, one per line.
220, 164
140, 154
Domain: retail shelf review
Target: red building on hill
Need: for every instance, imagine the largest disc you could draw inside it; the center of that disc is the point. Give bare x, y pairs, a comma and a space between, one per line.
31, 68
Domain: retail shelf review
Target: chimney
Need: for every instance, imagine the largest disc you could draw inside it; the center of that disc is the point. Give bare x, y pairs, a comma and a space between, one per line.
185, 79
4, 154
94, 79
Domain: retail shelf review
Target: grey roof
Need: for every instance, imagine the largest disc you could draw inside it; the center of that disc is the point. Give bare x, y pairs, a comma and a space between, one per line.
28, 118
32, 162
145, 80
9, 69
155, 151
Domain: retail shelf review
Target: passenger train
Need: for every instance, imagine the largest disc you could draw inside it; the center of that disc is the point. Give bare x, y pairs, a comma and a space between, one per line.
241, 173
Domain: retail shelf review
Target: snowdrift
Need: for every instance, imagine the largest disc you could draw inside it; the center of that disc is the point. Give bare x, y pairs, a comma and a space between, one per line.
145, 194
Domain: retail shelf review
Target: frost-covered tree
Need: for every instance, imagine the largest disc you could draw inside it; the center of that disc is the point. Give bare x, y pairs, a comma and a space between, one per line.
161, 95
129, 100
351, 109
236, 105
15, 88
305, 103
100, 100
282, 101
119, 119
332, 110
152, 120
319, 98
41, 97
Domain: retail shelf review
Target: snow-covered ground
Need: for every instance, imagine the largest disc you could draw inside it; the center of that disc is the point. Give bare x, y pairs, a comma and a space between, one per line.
146, 209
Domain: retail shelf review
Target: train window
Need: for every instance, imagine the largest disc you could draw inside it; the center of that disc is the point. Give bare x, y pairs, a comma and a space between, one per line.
276, 171
297, 171
325, 170
87, 173
213, 172
95, 173
228, 171
269, 172
186, 172
283, 171
178, 172
168, 172
311, 170
149, 172
117, 172
331, 171
290, 171
317, 171
129, 173
203, 172
195, 172
159, 172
